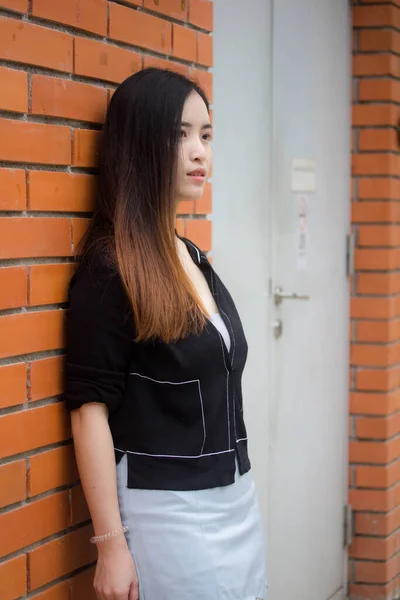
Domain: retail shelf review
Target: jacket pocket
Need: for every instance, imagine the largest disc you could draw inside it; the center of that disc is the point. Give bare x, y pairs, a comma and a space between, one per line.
168, 417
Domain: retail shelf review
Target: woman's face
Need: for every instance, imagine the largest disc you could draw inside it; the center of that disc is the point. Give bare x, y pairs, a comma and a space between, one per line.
195, 153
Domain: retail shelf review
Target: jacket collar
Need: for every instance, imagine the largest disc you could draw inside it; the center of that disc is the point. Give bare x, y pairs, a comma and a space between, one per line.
197, 255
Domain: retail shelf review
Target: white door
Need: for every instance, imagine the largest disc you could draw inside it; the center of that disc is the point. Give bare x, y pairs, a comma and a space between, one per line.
282, 133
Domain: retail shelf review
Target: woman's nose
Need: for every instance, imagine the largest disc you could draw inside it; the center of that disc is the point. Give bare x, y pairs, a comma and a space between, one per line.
197, 150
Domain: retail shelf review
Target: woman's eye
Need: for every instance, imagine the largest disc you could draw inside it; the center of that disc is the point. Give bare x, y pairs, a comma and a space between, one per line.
183, 133
207, 137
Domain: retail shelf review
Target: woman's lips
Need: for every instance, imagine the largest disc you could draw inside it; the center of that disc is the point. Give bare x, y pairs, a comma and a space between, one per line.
198, 175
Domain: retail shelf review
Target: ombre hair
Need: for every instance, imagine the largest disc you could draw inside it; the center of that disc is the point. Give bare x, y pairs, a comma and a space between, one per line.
133, 226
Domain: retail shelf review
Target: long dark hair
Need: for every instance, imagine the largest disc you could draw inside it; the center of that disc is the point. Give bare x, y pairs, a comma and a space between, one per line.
134, 222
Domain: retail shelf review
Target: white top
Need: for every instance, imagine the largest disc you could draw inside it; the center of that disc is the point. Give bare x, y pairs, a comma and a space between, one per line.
218, 322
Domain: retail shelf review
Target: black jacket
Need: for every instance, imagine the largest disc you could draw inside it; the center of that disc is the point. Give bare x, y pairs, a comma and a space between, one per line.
175, 409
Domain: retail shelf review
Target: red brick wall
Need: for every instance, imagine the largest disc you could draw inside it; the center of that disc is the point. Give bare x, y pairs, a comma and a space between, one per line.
375, 327
59, 63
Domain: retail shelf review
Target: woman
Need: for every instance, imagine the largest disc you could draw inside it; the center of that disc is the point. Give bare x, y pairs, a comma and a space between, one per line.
155, 357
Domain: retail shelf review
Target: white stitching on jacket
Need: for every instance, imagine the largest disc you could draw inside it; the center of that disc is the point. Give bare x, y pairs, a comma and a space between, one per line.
182, 383
172, 455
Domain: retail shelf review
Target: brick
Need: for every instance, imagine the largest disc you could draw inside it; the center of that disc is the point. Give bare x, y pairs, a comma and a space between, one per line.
377, 259
82, 586
378, 89
60, 591
13, 189
375, 65
103, 61
12, 384
20, 6
204, 205
378, 331
205, 80
61, 556
374, 404
184, 43
374, 500
186, 207
31, 332
370, 356
52, 191
46, 378
350, 423
56, 97
378, 139
374, 114
377, 428
79, 227
79, 508
378, 477
172, 8
350, 476
376, 40
370, 523
13, 578
353, 188
379, 235
12, 483
201, 14
89, 15
27, 43
372, 548
374, 16
204, 49
375, 164
376, 212
377, 379
377, 524
33, 522
48, 284
371, 452
13, 287
374, 308
378, 283
34, 142
33, 428
26, 237
199, 231
14, 90
375, 572
52, 469
396, 2
373, 592
354, 40
140, 29
85, 149
151, 61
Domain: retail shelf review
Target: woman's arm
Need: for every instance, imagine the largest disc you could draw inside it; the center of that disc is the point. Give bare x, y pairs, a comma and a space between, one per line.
94, 453
116, 577
99, 347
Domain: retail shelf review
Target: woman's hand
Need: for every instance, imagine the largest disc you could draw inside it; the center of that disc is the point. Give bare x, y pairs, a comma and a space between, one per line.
116, 576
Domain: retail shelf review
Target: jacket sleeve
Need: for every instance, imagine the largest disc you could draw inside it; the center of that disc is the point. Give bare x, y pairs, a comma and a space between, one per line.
99, 338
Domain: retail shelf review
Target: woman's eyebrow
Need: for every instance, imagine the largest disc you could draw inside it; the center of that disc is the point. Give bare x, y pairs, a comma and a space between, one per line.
206, 126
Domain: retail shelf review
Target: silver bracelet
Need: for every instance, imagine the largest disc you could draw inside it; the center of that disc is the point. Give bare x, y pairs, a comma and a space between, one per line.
107, 536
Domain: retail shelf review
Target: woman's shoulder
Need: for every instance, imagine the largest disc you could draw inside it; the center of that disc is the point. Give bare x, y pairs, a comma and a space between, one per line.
96, 278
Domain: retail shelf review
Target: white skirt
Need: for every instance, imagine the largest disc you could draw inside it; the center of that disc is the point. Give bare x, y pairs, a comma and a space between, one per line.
195, 545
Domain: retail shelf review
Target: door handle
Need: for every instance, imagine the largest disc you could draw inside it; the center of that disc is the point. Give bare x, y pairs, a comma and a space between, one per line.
280, 295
